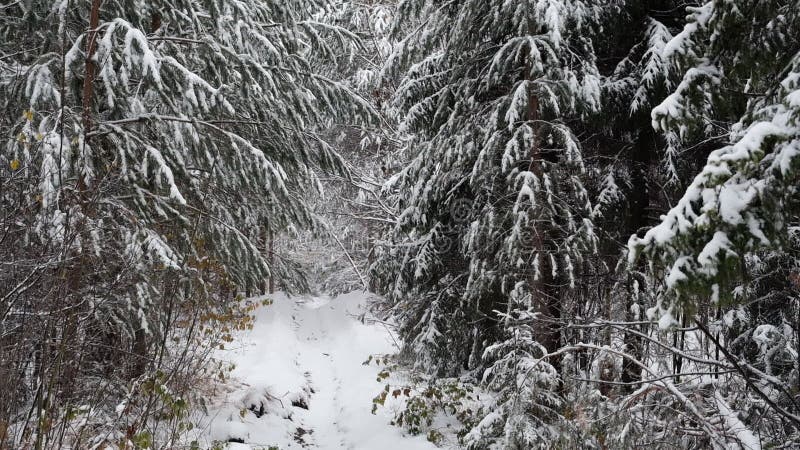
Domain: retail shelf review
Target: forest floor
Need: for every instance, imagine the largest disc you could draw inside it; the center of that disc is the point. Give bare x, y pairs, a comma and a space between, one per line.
300, 380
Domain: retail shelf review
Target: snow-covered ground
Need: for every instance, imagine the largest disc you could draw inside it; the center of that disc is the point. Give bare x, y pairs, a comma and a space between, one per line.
300, 382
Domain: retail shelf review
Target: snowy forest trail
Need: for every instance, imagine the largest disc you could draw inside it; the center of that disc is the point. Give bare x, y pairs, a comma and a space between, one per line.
300, 380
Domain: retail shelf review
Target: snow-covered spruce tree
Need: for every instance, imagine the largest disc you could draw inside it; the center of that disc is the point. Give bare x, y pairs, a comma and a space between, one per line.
495, 225
147, 146
641, 172
725, 252
737, 59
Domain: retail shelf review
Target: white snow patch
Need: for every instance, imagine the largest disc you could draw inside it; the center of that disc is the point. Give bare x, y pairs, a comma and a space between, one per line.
310, 348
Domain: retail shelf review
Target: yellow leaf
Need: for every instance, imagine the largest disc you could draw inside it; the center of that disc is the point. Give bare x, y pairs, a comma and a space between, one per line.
39, 136
14, 164
28, 114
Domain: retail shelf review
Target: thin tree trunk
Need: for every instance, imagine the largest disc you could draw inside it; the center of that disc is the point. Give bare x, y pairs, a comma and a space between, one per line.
91, 66
547, 301
637, 220
271, 264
